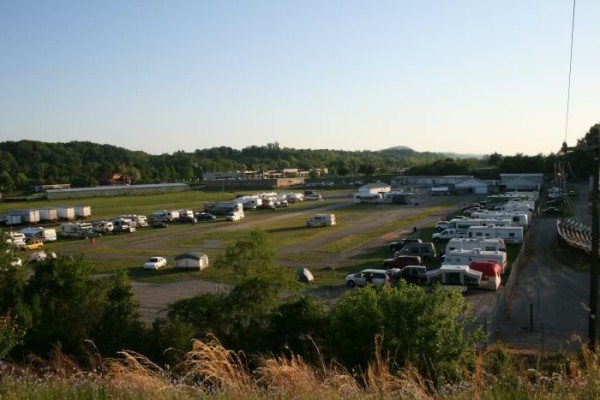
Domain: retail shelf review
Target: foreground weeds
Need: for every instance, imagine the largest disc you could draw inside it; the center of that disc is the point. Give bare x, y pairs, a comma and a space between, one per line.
211, 371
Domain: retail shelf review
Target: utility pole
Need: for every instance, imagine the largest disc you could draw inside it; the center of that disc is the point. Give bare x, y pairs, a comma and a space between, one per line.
595, 266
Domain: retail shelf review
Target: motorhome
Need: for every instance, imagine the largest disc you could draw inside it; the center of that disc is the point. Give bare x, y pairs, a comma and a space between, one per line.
459, 276
516, 218
45, 234
76, 229
123, 225
321, 220
223, 208
510, 234
471, 244
464, 257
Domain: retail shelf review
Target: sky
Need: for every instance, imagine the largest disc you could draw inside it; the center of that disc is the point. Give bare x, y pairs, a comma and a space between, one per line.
160, 76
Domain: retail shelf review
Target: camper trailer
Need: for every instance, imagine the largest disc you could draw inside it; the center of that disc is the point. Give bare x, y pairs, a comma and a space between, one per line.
123, 225
459, 276
321, 220
76, 229
223, 208
140, 221
30, 216
510, 234
516, 218
490, 274
471, 244
45, 234
465, 257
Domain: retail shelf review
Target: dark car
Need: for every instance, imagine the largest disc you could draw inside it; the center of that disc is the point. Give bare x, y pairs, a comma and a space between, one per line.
416, 274
159, 224
402, 261
187, 220
425, 250
551, 210
266, 206
205, 216
399, 245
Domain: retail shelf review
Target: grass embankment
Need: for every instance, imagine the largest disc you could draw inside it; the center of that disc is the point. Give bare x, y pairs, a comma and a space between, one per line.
211, 372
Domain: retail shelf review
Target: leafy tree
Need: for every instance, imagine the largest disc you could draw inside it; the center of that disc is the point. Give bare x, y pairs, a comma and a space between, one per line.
11, 335
6, 182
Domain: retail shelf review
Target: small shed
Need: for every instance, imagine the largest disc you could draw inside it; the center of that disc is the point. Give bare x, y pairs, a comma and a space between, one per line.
191, 260
304, 275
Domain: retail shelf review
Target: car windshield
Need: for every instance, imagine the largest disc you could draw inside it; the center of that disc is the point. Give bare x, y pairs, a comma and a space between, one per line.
153, 259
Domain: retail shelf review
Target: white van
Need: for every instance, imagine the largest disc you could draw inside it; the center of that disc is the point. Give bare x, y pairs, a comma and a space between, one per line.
510, 234
471, 244
321, 220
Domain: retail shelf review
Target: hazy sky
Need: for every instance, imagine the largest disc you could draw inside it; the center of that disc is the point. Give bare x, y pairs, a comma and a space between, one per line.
467, 76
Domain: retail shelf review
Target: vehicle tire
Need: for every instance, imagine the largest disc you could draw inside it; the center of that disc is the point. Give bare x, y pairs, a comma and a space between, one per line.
351, 284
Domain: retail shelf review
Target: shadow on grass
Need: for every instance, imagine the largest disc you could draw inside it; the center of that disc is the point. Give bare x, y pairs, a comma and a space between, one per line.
288, 229
138, 273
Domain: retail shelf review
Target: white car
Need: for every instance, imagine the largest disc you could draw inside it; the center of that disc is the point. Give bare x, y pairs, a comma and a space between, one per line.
313, 196
375, 277
155, 263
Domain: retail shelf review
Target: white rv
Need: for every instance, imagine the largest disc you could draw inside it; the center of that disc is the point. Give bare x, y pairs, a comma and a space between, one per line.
321, 220
510, 234
471, 244
76, 229
465, 257
516, 218
123, 225
46, 234
250, 202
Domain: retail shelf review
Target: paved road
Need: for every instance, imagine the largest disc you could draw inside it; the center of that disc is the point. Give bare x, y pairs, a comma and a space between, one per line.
557, 291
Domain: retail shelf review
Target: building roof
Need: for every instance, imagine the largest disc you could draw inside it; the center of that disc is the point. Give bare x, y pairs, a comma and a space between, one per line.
471, 182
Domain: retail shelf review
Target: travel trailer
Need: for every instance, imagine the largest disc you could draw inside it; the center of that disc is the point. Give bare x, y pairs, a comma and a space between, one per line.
471, 244
459, 276
465, 257
510, 234
516, 218
76, 229
321, 220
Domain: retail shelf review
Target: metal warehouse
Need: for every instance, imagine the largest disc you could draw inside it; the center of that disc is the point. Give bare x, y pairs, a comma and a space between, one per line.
108, 191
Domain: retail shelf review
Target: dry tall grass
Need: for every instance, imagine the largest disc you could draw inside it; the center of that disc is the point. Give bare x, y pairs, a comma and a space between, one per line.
211, 371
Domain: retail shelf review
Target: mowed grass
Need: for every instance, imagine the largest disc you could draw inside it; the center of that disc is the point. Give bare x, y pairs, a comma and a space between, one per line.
285, 227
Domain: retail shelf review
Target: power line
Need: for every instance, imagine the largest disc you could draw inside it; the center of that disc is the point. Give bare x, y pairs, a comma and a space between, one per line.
570, 70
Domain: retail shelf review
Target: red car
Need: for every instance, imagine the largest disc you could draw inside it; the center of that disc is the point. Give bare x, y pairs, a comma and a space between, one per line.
402, 261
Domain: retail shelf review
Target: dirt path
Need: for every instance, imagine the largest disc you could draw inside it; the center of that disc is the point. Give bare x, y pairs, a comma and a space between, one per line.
557, 292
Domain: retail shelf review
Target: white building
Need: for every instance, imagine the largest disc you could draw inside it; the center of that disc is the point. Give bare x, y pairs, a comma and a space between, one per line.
371, 193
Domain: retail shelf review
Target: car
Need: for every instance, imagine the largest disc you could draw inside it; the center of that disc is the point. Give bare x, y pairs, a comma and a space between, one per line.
155, 263
551, 210
441, 225
266, 205
426, 250
399, 245
282, 203
402, 261
186, 219
159, 224
313, 196
205, 216
416, 274
375, 277
34, 244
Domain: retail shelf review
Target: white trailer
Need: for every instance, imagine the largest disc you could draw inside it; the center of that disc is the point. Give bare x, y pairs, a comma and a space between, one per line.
48, 214
471, 244
123, 225
510, 234
83, 212
30, 216
516, 218
458, 276
465, 257
66, 213
76, 229
321, 220
140, 221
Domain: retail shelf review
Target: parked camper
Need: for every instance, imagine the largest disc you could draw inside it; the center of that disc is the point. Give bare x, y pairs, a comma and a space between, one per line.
164, 215
460, 276
294, 197
510, 234
223, 208
17, 239
462, 224
519, 219
465, 257
249, 202
83, 212
123, 225
425, 250
191, 260
45, 234
76, 229
321, 220
490, 274
470, 244
66, 213
48, 214
140, 221
235, 216
102, 226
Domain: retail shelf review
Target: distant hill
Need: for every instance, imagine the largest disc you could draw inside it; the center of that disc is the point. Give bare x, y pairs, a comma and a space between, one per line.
408, 150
